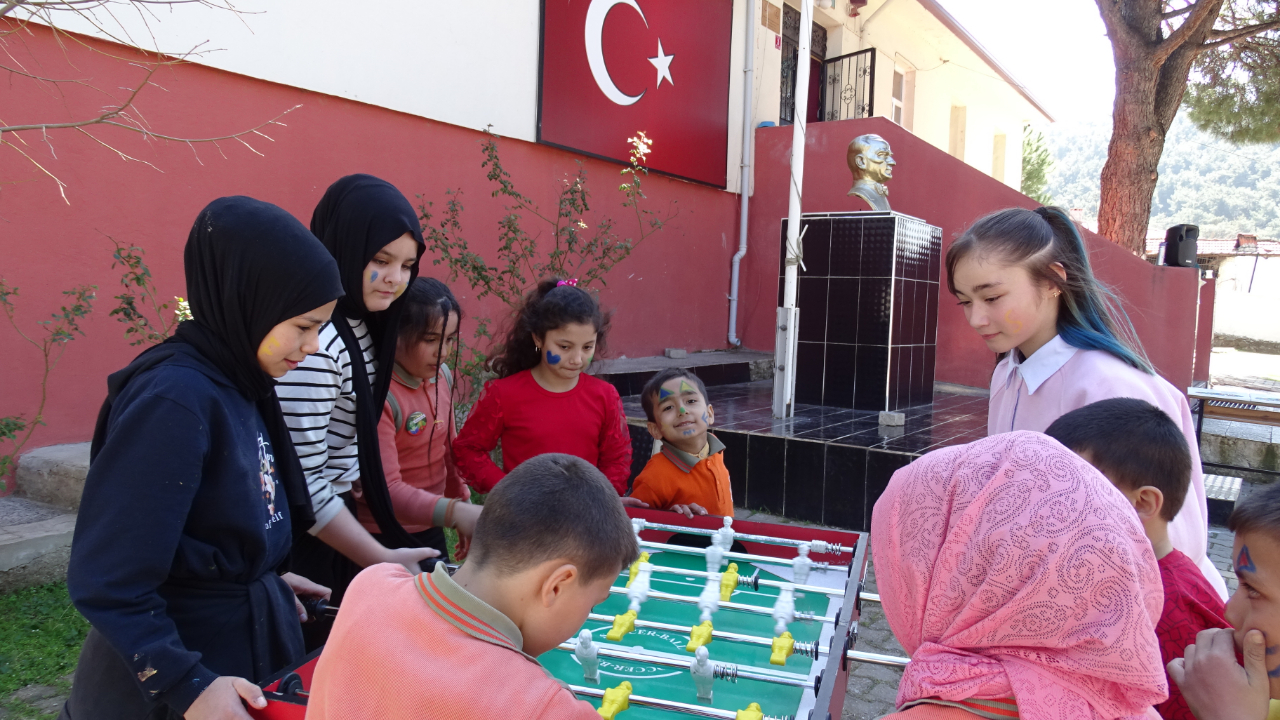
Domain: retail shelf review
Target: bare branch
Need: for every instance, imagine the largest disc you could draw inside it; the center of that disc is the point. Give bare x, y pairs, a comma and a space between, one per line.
1202, 12
1218, 38
1171, 14
62, 187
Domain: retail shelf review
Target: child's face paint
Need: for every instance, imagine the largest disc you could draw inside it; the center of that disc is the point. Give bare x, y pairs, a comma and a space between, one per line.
567, 350
1005, 305
290, 342
386, 277
1256, 604
682, 415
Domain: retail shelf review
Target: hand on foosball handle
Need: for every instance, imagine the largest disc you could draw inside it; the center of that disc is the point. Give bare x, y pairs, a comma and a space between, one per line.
689, 510
628, 501
304, 588
222, 700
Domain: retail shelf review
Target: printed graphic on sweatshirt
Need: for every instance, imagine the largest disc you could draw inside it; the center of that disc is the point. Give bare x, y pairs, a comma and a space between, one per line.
267, 476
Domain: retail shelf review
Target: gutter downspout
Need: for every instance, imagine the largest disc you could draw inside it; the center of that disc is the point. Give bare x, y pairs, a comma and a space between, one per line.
744, 187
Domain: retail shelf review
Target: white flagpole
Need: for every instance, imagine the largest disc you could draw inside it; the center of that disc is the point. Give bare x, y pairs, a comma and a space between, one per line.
784, 376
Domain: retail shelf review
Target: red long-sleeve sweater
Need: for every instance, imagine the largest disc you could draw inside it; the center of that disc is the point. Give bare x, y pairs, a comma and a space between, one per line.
586, 421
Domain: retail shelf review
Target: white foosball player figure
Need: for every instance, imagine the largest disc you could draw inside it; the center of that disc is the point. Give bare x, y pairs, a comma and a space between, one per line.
639, 590
587, 654
715, 556
702, 670
637, 524
801, 565
784, 610
725, 534
709, 600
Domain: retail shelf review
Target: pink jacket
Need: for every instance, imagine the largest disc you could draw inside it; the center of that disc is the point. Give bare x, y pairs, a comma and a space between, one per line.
1058, 378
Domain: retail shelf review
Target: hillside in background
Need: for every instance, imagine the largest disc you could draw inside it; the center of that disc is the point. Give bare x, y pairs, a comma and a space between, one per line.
1203, 181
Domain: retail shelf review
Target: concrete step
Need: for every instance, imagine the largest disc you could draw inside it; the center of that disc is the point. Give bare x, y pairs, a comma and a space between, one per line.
717, 367
54, 475
35, 543
1222, 492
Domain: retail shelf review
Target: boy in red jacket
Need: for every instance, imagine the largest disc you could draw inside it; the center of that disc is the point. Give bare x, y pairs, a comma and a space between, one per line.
687, 475
1143, 453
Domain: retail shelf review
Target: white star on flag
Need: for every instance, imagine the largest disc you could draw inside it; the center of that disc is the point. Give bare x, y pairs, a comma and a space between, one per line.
663, 64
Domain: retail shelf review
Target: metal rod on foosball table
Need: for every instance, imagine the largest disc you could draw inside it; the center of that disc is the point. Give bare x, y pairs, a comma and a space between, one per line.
686, 708
804, 649
656, 595
831, 548
754, 582
723, 671
737, 556
877, 659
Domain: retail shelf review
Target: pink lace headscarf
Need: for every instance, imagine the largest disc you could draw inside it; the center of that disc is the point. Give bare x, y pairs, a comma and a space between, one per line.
1010, 567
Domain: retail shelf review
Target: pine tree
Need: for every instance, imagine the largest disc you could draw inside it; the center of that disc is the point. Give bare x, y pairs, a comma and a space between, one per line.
1236, 92
1036, 164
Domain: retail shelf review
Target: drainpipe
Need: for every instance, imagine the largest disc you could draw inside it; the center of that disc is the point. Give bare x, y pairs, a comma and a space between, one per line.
748, 80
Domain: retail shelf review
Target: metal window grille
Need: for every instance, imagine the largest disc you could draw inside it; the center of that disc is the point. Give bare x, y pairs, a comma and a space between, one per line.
790, 56
849, 85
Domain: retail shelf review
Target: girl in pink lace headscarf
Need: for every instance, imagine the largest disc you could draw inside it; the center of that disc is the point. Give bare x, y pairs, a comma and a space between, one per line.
1011, 570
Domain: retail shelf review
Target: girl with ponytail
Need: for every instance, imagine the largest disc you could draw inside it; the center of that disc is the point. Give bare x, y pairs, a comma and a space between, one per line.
1025, 284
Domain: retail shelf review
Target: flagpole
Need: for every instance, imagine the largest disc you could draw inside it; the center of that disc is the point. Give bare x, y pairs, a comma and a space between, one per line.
788, 327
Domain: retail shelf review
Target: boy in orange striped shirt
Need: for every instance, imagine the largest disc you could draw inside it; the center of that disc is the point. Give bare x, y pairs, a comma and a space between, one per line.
550, 543
687, 475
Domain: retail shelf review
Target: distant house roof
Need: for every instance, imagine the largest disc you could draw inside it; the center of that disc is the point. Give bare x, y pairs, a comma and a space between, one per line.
1240, 245
955, 27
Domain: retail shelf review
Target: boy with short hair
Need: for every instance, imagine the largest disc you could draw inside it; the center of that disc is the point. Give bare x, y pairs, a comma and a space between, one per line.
1213, 683
551, 541
688, 474
1144, 454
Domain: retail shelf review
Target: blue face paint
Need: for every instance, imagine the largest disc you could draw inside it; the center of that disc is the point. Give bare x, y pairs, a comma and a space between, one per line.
552, 358
1273, 649
374, 276
664, 393
1274, 673
705, 419
1244, 563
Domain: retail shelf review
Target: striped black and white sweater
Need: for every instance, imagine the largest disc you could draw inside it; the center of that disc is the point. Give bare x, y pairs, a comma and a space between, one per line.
319, 403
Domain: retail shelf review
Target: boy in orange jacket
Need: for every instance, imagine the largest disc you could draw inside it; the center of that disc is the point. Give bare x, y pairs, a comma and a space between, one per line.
687, 475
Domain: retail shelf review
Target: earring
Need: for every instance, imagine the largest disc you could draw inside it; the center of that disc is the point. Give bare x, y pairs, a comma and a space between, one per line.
537, 349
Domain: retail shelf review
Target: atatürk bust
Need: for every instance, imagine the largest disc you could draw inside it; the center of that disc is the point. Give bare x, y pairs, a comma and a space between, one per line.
871, 162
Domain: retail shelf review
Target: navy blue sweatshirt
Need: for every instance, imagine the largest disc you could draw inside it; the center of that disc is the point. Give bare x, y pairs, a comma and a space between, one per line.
182, 526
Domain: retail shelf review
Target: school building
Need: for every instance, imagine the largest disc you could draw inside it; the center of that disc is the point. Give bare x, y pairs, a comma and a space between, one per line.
407, 89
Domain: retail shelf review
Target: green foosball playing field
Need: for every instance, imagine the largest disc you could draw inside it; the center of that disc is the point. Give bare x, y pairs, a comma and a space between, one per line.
673, 681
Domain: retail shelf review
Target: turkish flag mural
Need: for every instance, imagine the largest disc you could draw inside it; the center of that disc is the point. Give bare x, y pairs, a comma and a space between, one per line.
611, 68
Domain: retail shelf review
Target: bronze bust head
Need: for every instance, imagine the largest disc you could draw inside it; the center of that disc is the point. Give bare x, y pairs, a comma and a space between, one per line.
871, 162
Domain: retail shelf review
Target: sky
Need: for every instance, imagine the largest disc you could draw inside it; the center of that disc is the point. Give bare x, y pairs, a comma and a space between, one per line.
1058, 50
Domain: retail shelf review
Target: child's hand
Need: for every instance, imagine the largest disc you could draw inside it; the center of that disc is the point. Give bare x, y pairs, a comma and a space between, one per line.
410, 557
303, 587
1215, 686
461, 549
465, 516
689, 510
628, 501
222, 700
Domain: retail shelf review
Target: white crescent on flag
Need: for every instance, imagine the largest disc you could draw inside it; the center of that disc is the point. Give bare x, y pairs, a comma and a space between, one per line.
596, 13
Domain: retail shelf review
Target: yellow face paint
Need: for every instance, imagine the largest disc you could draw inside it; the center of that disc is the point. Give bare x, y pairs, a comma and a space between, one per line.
1015, 324
400, 290
686, 387
270, 345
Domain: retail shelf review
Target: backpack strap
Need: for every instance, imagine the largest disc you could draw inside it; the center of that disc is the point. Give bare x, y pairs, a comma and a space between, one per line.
397, 416
447, 374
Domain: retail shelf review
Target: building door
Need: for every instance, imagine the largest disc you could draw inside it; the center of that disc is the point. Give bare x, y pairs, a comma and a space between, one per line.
790, 55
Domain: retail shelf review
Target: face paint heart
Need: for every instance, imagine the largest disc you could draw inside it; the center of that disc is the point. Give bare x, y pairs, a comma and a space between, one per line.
552, 358
374, 276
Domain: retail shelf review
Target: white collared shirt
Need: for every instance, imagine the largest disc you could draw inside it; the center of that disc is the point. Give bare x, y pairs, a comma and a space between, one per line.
1042, 364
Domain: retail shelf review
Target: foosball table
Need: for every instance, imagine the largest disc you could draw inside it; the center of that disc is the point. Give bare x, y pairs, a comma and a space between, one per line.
718, 619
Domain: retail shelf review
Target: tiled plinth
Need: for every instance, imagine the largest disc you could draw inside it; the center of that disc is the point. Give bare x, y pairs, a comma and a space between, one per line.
826, 464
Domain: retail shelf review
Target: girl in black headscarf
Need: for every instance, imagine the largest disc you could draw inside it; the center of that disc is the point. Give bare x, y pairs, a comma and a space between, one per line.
194, 489
333, 401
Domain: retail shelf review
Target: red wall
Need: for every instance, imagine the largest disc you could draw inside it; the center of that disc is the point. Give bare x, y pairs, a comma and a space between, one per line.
932, 185
47, 245
1204, 330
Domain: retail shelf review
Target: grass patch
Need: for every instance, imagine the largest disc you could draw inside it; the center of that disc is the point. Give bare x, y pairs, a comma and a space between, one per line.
40, 637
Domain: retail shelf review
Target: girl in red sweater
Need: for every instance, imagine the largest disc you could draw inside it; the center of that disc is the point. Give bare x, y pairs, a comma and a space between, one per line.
542, 402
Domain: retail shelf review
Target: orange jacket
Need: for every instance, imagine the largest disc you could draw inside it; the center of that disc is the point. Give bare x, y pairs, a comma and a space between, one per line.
674, 477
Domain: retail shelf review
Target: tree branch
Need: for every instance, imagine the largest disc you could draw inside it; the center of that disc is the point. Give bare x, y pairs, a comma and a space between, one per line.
1202, 11
1218, 38
1177, 13
1116, 26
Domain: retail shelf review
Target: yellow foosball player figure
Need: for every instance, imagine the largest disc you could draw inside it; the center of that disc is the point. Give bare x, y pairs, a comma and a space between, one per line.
753, 712
699, 636
615, 701
728, 581
622, 624
783, 646
635, 568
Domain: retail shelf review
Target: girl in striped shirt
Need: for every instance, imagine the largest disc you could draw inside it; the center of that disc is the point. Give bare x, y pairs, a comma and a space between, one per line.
332, 400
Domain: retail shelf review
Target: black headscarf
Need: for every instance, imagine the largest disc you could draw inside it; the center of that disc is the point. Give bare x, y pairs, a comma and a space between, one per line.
250, 266
357, 217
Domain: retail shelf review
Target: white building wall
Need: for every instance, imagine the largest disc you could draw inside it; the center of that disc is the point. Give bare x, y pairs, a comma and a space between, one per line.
1248, 293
